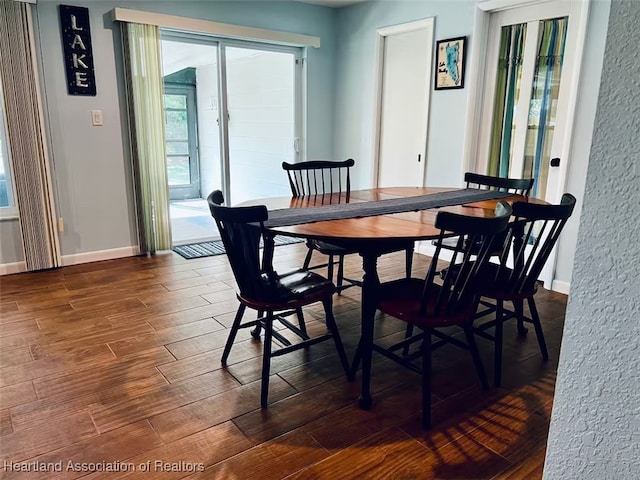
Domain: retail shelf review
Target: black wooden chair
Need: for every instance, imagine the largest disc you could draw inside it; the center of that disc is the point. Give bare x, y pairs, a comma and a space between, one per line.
431, 305
331, 181
273, 295
518, 186
531, 238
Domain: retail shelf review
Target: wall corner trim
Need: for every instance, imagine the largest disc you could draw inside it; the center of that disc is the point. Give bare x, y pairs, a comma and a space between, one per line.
217, 29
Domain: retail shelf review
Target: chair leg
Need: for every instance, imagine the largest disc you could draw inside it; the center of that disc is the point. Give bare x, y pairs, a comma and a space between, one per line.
356, 362
408, 332
232, 334
307, 259
301, 323
330, 268
426, 380
266, 359
475, 355
333, 328
340, 277
409, 261
535, 318
497, 362
518, 306
255, 333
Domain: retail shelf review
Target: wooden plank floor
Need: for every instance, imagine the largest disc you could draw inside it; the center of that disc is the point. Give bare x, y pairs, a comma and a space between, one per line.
116, 365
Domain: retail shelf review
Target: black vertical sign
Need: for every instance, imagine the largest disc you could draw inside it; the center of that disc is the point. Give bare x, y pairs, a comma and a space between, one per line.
78, 55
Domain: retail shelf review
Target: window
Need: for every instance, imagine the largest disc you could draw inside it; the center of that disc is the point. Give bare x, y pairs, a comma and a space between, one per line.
6, 187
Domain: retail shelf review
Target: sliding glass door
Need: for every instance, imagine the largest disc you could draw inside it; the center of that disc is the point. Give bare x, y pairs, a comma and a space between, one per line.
261, 103
232, 116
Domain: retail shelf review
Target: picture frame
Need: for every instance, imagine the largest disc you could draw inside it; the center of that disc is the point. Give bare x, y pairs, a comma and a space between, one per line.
450, 63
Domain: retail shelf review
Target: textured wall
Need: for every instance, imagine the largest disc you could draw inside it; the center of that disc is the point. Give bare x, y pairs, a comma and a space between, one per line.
595, 426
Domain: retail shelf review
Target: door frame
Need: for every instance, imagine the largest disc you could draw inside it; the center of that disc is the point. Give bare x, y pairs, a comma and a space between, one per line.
382, 33
179, 192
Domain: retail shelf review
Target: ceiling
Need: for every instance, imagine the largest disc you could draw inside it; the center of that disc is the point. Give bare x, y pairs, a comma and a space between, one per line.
332, 3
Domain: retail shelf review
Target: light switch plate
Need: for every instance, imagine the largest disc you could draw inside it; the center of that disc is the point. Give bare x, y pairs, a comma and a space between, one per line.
96, 118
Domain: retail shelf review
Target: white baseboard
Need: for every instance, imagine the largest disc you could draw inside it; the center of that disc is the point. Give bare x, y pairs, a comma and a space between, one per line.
560, 286
77, 258
9, 268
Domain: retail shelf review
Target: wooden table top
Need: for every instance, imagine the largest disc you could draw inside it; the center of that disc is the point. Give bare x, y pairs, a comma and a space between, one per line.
399, 226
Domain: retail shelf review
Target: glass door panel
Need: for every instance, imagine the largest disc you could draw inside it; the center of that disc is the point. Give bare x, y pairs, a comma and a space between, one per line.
507, 94
544, 100
192, 138
261, 103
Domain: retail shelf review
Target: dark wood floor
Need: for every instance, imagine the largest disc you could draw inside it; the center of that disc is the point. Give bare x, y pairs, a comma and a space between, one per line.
119, 361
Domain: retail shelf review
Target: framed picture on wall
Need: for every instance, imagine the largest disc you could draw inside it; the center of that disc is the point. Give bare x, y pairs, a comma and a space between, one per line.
450, 59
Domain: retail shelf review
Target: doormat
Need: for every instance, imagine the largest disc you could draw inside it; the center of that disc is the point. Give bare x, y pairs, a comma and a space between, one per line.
208, 249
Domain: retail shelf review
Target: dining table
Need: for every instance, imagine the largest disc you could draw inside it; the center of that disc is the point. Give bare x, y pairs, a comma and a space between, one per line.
368, 221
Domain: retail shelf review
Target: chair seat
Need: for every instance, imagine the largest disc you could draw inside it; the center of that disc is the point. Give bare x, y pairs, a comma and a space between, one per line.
329, 248
292, 289
401, 299
499, 286
383, 247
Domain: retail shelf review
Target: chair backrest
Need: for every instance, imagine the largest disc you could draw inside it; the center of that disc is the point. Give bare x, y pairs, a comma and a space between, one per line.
460, 290
319, 177
216, 197
519, 186
532, 237
241, 229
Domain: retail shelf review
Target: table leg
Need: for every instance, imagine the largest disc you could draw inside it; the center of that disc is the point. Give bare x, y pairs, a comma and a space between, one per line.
370, 284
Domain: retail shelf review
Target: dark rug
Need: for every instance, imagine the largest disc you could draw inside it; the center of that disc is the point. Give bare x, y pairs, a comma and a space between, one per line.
208, 249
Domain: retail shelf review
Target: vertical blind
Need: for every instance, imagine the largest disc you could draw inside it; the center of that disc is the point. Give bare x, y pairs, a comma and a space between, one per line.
544, 96
143, 70
25, 135
507, 90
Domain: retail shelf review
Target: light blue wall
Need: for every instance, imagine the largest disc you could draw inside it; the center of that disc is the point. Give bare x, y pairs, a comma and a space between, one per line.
354, 98
92, 174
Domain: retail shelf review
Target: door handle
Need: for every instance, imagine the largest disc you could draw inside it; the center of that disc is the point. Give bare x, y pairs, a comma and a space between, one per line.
419, 157
555, 162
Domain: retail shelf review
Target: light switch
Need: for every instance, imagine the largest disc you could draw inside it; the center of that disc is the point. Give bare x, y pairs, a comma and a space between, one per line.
96, 117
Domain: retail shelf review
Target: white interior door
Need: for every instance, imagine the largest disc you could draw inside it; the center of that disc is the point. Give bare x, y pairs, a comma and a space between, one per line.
404, 103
